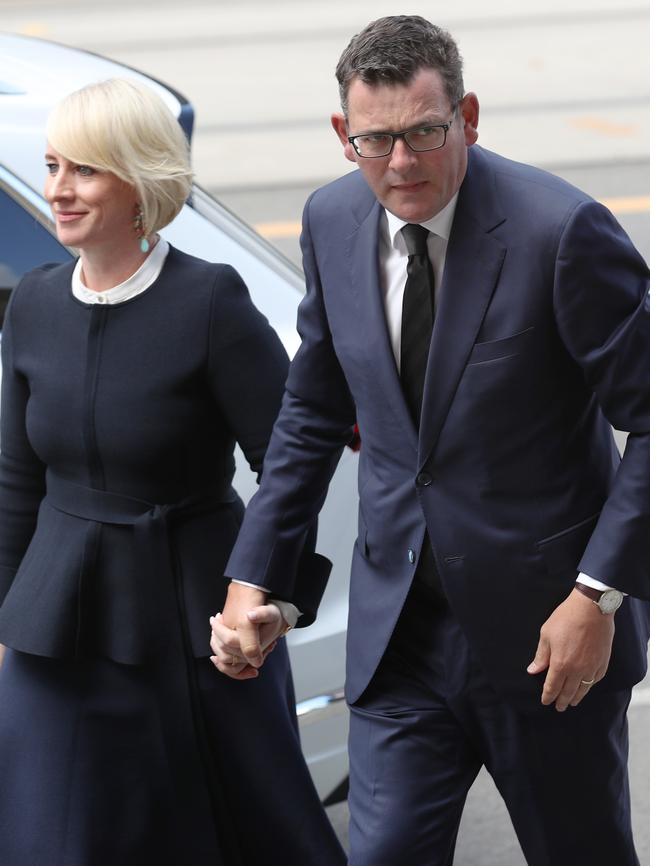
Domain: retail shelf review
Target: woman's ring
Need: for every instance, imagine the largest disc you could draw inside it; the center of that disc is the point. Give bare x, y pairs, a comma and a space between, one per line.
588, 682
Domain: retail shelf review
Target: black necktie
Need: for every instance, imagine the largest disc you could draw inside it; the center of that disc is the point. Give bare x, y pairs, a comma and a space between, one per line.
417, 317
417, 324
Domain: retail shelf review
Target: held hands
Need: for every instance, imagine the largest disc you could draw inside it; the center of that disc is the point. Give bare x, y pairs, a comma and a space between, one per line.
245, 633
574, 647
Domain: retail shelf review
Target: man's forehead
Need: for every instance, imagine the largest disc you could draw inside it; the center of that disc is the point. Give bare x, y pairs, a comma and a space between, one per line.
424, 93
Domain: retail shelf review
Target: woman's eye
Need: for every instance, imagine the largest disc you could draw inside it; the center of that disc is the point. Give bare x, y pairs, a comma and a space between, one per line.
85, 170
51, 167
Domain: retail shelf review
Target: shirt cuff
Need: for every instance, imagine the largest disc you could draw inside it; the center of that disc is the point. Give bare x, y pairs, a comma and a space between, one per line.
252, 585
593, 583
290, 612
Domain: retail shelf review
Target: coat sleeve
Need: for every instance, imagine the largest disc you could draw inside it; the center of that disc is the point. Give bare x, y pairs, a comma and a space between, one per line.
22, 474
602, 306
315, 423
247, 365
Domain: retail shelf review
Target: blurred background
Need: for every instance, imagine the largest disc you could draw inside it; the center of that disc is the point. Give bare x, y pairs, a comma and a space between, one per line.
563, 84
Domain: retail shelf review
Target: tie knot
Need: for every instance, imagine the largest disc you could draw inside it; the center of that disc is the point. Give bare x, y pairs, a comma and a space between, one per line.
415, 237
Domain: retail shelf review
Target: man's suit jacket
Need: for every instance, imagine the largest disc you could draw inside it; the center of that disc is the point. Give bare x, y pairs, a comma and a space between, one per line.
541, 340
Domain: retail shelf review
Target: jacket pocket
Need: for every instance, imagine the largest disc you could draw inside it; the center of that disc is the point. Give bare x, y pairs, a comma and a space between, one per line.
505, 347
563, 551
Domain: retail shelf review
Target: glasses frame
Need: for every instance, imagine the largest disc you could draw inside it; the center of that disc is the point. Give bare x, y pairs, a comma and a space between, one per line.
395, 135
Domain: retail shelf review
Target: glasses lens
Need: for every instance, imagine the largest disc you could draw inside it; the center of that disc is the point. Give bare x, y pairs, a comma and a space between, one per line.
373, 145
426, 138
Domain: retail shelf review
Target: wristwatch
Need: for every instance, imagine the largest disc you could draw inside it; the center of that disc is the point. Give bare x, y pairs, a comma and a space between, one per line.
608, 600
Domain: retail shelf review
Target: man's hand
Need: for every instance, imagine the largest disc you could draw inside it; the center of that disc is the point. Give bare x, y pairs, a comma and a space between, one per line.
574, 646
245, 633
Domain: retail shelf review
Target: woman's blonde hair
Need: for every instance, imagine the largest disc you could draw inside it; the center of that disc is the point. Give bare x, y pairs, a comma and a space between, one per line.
125, 128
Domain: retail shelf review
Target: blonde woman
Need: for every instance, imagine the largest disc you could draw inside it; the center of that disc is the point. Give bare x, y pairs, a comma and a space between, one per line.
128, 376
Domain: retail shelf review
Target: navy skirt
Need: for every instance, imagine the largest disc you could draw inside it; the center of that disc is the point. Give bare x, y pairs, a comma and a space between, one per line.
87, 779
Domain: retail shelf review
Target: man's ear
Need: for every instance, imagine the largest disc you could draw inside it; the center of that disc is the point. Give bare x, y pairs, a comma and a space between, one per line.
469, 111
340, 126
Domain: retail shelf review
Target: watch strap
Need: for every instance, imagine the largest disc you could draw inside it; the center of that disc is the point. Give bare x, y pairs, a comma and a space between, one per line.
594, 594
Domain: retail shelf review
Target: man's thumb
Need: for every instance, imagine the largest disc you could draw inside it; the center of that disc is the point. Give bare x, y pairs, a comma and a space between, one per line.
542, 658
249, 638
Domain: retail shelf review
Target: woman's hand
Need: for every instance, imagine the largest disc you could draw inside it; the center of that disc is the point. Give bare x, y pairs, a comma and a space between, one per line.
225, 642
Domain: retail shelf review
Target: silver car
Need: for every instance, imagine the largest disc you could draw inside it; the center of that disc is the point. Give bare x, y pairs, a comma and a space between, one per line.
34, 74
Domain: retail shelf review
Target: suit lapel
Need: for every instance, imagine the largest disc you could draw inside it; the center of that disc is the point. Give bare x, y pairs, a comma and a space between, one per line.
363, 259
472, 267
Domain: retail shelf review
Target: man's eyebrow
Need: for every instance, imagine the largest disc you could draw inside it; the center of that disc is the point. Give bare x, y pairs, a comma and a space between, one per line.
430, 121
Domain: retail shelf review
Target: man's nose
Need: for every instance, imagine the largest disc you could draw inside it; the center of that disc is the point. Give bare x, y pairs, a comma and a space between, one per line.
402, 156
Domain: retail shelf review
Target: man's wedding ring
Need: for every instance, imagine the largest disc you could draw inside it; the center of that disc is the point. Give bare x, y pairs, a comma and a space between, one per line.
233, 660
588, 682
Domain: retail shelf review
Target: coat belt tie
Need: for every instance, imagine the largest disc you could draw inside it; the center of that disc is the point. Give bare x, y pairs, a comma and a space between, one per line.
167, 645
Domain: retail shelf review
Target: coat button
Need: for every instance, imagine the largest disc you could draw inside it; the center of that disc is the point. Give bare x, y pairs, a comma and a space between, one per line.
423, 479
411, 556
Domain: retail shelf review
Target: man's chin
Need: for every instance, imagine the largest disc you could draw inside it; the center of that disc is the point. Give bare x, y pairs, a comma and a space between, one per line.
412, 212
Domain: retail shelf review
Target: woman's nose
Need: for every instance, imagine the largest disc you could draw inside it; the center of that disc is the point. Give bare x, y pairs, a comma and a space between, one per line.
58, 185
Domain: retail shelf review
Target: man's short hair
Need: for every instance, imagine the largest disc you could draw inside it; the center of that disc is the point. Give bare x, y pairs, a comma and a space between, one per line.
393, 49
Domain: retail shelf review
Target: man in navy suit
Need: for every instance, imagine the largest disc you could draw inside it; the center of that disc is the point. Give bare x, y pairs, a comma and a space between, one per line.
485, 323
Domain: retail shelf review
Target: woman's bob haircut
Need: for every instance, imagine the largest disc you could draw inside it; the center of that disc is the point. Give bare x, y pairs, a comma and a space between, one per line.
125, 128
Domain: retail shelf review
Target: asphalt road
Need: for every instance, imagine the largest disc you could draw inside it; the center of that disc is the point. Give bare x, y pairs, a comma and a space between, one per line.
564, 84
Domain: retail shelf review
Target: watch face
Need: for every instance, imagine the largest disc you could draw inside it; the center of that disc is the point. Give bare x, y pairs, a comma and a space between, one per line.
610, 601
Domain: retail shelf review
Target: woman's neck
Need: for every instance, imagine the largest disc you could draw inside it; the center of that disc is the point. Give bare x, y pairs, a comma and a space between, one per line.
103, 269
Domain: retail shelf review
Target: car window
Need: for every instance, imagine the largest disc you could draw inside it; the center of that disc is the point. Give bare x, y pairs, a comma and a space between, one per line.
24, 244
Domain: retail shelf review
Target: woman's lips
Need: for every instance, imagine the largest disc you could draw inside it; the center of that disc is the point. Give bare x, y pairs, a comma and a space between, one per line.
68, 217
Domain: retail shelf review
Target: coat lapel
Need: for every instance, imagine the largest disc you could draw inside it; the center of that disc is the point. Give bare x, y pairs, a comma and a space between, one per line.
472, 267
362, 251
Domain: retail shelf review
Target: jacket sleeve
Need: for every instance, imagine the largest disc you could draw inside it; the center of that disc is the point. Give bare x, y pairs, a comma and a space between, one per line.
602, 306
315, 423
22, 474
248, 370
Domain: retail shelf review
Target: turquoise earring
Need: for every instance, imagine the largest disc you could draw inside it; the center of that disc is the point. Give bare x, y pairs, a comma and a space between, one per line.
139, 229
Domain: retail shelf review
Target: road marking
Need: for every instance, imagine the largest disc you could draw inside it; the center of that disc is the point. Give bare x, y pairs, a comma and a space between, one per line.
628, 204
35, 28
277, 230
605, 127
618, 205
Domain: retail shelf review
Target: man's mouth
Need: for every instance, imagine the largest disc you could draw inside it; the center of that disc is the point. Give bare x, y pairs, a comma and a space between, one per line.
412, 186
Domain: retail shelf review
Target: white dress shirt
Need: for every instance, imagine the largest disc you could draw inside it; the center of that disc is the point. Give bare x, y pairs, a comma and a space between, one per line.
393, 259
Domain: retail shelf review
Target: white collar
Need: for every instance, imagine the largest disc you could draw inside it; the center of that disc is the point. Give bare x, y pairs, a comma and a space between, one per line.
146, 274
439, 224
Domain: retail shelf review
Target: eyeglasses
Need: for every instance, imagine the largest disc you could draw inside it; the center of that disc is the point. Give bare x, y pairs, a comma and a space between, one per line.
421, 138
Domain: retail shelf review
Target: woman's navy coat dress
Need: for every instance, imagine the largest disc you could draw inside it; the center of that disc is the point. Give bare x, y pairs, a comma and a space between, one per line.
119, 742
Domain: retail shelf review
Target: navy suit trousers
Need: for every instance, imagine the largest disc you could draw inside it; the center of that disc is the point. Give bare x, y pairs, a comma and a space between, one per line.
427, 723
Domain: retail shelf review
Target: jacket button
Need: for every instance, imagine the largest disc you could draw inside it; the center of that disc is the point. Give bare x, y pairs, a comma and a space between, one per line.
423, 479
411, 556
